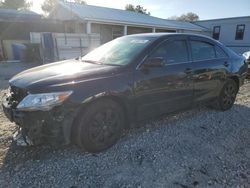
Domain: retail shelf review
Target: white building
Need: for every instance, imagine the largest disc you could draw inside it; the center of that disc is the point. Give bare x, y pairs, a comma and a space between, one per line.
233, 32
112, 23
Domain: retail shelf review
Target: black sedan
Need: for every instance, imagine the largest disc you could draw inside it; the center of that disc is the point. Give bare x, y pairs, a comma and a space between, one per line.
92, 99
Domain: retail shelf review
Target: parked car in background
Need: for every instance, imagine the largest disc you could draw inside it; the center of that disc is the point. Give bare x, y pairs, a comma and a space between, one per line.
92, 99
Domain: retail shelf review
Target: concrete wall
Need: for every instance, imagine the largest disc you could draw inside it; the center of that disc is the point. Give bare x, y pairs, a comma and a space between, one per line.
228, 31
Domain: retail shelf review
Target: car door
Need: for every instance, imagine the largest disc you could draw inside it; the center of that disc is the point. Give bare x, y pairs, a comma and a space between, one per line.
210, 64
166, 88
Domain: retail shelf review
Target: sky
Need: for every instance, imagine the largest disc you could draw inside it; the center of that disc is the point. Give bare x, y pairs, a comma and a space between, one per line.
206, 9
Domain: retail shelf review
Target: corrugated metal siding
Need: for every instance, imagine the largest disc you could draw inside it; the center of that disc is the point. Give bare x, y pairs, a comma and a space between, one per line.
70, 45
74, 45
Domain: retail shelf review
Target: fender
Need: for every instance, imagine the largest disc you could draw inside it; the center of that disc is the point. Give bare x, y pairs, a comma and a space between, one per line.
126, 104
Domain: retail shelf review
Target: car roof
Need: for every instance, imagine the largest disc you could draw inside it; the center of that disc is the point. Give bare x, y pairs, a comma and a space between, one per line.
159, 35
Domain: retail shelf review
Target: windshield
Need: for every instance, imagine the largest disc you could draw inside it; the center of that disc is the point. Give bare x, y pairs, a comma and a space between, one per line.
117, 52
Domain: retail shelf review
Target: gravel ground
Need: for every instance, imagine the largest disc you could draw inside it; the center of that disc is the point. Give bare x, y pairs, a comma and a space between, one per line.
196, 148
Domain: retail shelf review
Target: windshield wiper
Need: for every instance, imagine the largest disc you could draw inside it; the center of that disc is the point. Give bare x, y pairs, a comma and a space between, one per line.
93, 62
111, 64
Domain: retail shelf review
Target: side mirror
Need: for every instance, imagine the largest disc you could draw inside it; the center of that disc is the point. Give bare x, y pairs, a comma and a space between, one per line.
154, 62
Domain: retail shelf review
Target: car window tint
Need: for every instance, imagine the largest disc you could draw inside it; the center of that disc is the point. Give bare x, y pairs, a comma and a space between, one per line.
220, 53
202, 50
172, 52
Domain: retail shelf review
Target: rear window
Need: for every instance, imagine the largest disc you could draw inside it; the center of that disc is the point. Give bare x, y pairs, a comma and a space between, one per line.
220, 53
202, 50
172, 51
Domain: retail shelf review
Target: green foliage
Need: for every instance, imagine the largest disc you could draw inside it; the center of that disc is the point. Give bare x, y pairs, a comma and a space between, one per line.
189, 17
15, 4
49, 5
137, 8
80, 2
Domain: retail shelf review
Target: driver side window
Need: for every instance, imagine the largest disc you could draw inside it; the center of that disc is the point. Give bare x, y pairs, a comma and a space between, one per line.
172, 52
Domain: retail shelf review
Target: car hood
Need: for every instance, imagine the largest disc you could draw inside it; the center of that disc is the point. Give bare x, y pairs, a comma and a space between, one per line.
61, 72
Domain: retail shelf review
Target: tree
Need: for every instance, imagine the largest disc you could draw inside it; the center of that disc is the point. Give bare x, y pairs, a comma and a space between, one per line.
173, 18
137, 8
48, 5
15, 4
80, 2
189, 17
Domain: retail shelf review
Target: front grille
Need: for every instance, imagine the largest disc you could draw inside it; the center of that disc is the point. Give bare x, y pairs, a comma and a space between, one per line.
17, 95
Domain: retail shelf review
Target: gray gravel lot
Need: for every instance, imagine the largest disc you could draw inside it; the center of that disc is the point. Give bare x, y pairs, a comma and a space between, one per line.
196, 148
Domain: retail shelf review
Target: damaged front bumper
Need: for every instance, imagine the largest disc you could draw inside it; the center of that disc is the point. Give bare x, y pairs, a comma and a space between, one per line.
42, 127
21, 139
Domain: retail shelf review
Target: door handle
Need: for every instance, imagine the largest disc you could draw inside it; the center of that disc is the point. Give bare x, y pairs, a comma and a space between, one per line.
188, 70
226, 64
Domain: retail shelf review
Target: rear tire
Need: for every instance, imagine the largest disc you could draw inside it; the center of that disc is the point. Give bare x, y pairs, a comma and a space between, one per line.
100, 126
227, 96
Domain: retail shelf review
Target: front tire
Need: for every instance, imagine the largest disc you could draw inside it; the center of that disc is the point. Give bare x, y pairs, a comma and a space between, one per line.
100, 126
227, 96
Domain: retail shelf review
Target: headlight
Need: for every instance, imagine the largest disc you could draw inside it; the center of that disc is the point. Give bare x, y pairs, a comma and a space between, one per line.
42, 101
